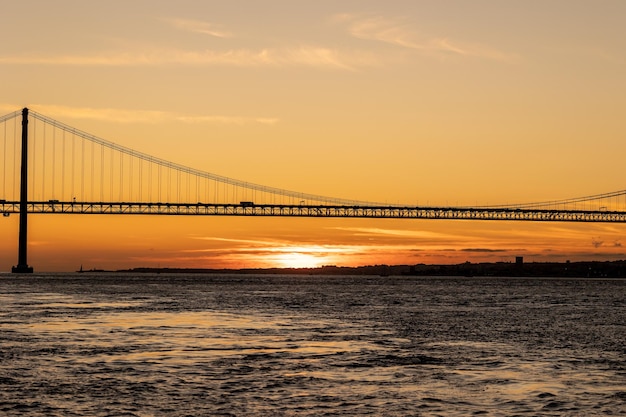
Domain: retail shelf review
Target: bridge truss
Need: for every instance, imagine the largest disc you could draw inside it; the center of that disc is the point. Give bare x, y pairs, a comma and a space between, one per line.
286, 210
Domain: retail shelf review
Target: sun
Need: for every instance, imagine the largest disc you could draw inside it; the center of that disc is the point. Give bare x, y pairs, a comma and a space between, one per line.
298, 260
305, 256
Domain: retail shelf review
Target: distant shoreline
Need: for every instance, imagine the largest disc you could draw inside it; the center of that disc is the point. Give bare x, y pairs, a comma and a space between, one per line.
583, 269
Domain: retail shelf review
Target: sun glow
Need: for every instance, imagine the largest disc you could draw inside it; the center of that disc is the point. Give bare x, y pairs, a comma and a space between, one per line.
304, 256
299, 260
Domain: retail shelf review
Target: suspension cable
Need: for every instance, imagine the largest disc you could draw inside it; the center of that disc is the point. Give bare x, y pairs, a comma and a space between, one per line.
203, 174
247, 188
43, 161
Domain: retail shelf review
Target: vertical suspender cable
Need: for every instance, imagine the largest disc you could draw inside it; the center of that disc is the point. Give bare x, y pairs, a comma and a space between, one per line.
101, 173
72, 178
112, 155
92, 172
82, 170
130, 178
4, 162
150, 181
34, 160
121, 176
14, 157
140, 179
178, 186
43, 160
63, 167
54, 158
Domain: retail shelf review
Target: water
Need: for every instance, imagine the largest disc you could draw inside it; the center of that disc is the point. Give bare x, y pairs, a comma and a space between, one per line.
250, 345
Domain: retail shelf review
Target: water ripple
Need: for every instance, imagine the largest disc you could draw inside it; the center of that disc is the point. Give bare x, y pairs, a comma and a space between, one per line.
310, 346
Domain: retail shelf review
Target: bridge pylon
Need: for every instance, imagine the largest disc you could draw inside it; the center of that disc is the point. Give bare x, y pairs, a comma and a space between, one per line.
22, 264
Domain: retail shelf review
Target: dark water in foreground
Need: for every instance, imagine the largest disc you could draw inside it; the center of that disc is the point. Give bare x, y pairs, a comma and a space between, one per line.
160, 345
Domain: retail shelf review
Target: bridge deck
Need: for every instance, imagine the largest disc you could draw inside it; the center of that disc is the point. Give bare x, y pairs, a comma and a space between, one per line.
282, 210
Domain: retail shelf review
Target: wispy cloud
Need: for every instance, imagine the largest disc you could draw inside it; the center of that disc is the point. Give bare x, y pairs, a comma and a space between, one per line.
273, 252
246, 242
402, 34
483, 250
302, 56
138, 116
197, 26
227, 120
400, 233
277, 245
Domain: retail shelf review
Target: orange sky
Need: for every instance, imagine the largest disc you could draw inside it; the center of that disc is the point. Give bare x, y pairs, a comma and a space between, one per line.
412, 102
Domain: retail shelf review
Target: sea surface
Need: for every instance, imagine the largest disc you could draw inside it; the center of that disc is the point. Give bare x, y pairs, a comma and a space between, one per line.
283, 345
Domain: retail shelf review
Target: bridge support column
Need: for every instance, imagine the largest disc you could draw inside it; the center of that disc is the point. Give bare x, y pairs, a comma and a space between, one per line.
22, 264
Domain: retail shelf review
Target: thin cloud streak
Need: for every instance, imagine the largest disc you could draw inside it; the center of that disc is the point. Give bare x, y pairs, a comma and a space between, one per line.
374, 231
197, 26
138, 116
303, 56
227, 120
281, 246
398, 33
423, 238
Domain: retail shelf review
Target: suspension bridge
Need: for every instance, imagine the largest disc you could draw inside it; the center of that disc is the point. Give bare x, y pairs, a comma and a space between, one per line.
52, 168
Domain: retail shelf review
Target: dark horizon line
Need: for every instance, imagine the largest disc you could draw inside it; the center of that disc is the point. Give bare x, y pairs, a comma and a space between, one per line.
616, 269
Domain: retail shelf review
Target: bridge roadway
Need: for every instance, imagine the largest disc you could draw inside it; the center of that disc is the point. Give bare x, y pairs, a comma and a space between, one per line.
303, 210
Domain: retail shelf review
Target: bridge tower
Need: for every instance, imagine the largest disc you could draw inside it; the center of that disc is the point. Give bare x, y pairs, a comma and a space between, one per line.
22, 264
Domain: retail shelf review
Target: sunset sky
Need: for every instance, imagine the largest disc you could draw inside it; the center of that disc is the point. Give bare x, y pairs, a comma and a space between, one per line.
402, 102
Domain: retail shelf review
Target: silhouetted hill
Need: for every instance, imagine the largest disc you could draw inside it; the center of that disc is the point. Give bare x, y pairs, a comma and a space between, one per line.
610, 269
